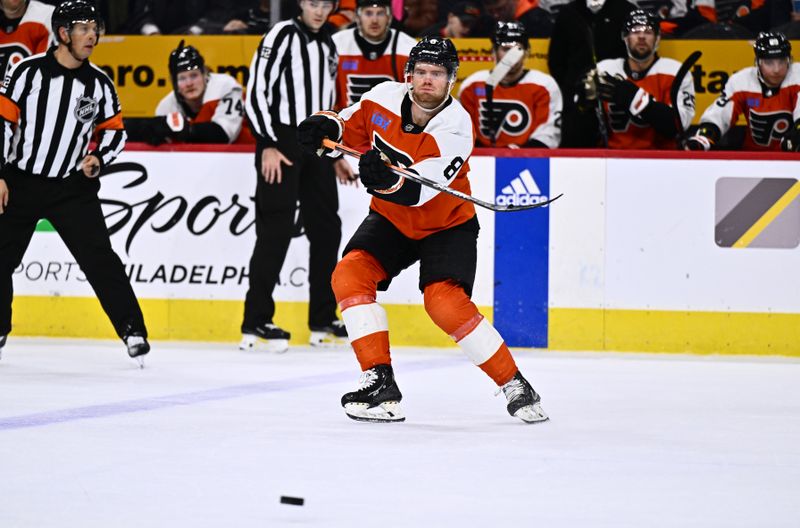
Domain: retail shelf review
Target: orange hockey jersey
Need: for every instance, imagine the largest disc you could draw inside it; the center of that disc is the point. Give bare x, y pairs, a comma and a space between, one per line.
440, 151
769, 112
529, 110
222, 104
31, 36
631, 132
363, 65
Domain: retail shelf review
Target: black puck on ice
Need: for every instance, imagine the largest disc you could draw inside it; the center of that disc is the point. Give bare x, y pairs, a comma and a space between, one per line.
295, 501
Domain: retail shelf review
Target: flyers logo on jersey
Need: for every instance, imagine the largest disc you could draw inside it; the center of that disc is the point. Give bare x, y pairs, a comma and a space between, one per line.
358, 85
769, 126
514, 117
10, 54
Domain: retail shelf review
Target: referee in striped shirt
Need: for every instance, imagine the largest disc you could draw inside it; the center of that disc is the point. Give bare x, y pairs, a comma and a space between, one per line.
293, 75
51, 106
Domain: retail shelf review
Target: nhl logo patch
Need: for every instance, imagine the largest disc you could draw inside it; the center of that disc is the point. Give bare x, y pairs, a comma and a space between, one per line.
86, 109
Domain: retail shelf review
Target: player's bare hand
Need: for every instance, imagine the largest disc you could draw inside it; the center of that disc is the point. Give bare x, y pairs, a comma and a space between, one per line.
345, 173
271, 159
4, 193
91, 166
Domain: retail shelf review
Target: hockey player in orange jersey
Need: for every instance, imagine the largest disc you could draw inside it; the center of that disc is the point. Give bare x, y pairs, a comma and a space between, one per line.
766, 94
370, 53
525, 107
24, 30
635, 91
419, 126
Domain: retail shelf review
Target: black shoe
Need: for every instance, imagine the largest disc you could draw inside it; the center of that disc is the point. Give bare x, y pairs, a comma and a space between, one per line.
523, 401
333, 334
377, 398
273, 338
2, 344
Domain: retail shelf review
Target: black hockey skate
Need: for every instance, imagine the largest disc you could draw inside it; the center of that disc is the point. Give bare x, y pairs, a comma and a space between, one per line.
377, 398
137, 347
331, 335
2, 344
268, 337
523, 402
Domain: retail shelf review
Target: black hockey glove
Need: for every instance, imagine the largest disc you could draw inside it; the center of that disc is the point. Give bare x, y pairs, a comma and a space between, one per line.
707, 135
791, 141
313, 129
374, 171
161, 128
616, 90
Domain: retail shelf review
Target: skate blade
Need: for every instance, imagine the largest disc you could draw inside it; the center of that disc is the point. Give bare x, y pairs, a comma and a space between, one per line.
254, 343
139, 361
385, 412
532, 414
327, 340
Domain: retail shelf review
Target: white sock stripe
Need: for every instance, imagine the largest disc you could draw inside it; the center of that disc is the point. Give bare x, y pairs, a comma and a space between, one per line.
365, 319
481, 344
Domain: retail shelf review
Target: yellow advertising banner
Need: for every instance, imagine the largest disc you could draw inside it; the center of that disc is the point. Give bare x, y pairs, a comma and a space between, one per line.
138, 64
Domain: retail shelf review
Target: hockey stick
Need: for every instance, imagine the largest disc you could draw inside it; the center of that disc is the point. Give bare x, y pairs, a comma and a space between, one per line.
676, 87
338, 147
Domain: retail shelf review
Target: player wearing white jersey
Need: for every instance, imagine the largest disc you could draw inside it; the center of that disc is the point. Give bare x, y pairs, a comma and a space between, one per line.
523, 109
203, 107
421, 127
24, 30
638, 109
370, 53
765, 94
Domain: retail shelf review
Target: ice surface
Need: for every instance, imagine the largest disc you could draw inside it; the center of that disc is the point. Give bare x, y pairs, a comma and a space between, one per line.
207, 436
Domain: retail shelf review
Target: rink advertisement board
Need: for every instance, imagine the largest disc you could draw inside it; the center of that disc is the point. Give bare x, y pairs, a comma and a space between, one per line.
642, 253
521, 252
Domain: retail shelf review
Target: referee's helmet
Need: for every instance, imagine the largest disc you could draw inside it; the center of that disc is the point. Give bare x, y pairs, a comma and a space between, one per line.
73, 12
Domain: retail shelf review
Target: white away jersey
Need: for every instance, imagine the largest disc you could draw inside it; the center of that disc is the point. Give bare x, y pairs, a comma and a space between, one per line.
362, 65
769, 112
528, 110
222, 104
631, 132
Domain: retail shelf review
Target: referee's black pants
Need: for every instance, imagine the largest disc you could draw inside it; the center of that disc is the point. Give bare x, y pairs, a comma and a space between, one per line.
312, 182
72, 206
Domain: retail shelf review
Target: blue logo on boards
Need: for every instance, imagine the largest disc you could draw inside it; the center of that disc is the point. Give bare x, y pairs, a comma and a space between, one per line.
521, 253
380, 120
349, 65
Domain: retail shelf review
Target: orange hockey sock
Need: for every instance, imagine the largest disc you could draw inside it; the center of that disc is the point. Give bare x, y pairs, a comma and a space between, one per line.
452, 310
355, 283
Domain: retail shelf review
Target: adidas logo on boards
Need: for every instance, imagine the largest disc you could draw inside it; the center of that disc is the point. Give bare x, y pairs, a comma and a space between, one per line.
522, 190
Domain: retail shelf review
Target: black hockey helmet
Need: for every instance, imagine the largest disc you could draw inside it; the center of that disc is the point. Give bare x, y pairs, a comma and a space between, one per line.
184, 58
640, 18
73, 12
772, 45
507, 33
373, 3
434, 50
